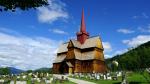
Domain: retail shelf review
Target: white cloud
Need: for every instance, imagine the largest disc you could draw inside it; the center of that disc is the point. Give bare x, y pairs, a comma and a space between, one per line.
107, 46
135, 17
9, 31
145, 15
140, 39
114, 53
119, 52
125, 31
56, 10
25, 52
141, 16
107, 56
58, 31
144, 29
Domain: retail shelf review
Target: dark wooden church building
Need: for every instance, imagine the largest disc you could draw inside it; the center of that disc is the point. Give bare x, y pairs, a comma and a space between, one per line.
81, 55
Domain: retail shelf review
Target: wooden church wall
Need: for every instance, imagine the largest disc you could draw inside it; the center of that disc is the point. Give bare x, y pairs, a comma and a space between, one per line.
99, 66
83, 66
99, 54
56, 68
87, 66
77, 66
70, 54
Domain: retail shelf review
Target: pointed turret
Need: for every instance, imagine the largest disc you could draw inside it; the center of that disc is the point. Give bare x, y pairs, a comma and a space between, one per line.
82, 35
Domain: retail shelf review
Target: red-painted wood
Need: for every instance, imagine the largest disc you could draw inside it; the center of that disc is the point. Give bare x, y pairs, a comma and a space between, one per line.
82, 35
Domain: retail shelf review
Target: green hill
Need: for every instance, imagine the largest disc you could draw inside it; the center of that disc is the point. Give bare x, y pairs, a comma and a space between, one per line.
134, 59
44, 70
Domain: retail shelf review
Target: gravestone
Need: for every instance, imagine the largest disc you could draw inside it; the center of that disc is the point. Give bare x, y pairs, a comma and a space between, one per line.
124, 80
21, 82
97, 77
109, 78
2, 81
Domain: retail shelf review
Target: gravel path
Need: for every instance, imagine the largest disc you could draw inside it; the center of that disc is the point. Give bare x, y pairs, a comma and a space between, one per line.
78, 81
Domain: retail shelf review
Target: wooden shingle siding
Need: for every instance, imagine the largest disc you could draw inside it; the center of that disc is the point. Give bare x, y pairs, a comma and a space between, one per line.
84, 58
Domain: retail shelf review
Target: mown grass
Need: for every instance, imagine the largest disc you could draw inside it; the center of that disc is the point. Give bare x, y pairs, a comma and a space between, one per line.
62, 82
132, 78
138, 78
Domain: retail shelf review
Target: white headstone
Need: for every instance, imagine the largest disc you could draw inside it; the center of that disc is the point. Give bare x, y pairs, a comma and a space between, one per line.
97, 77
21, 82
104, 77
109, 78
1, 81
12, 82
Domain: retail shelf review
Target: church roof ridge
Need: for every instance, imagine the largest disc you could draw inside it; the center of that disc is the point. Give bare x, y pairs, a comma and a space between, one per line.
76, 39
94, 36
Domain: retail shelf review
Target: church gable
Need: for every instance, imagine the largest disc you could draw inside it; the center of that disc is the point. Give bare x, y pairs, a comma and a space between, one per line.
99, 44
70, 44
70, 54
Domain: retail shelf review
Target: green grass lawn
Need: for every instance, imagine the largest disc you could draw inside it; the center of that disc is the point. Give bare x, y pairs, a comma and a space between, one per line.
103, 81
62, 82
132, 78
138, 78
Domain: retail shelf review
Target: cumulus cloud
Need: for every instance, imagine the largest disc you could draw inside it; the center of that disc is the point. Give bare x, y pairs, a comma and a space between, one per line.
25, 52
140, 39
58, 31
125, 31
56, 10
107, 46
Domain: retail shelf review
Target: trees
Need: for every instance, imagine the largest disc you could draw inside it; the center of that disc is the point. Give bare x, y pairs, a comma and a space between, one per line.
4, 71
135, 59
12, 5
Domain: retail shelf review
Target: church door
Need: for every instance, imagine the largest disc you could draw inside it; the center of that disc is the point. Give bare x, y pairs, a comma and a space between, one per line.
63, 68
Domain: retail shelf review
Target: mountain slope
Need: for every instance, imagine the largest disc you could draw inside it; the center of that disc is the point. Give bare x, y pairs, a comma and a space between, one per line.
136, 58
47, 70
15, 71
9, 70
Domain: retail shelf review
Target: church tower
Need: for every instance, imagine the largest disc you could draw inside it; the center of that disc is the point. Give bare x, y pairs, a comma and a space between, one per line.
82, 35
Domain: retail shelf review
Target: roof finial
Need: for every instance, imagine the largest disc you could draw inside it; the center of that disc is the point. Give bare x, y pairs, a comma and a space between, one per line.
82, 28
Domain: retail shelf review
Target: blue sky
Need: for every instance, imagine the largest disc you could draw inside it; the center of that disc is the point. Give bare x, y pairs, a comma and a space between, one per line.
30, 39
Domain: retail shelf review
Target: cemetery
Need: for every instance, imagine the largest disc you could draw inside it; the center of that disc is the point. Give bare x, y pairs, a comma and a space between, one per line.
109, 78
32, 78
119, 77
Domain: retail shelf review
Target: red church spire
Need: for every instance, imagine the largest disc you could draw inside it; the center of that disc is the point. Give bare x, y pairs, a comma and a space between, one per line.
83, 27
82, 35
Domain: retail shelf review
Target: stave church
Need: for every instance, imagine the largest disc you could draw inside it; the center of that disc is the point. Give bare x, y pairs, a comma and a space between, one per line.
81, 55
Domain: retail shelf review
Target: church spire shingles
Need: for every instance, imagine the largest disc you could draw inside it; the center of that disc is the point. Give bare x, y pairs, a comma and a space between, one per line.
82, 35
83, 28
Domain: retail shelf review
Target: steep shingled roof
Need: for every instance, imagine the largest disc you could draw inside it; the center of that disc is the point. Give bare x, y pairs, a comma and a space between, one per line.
84, 56
60, 58
90, 42
63, 48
